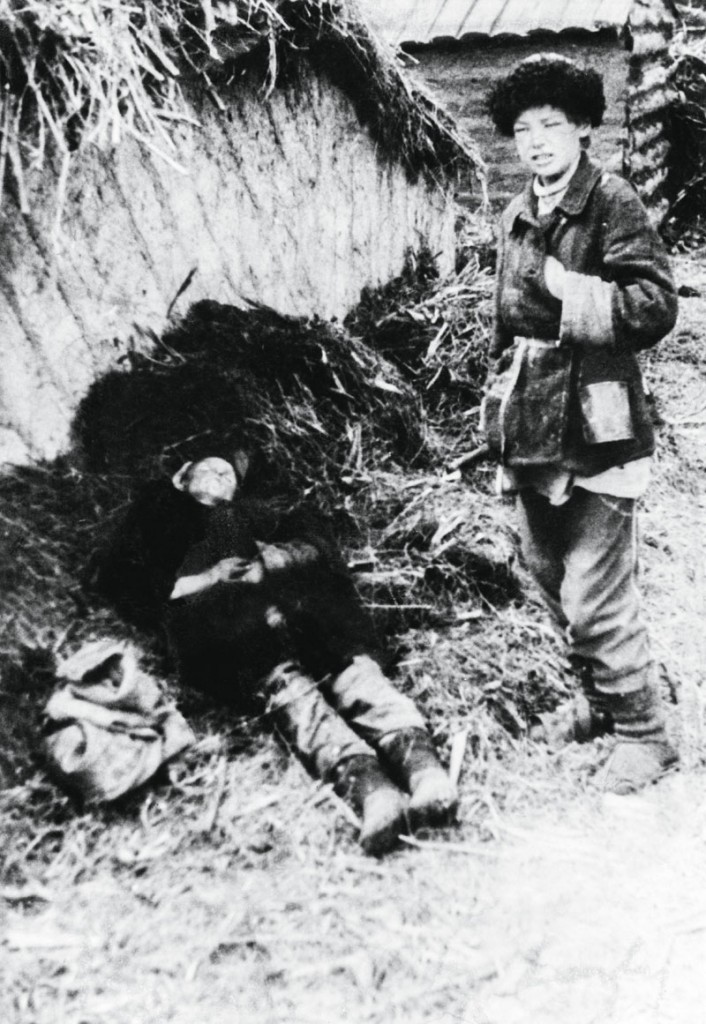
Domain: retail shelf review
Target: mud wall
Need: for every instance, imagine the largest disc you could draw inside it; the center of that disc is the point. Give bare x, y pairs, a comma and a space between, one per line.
284, 201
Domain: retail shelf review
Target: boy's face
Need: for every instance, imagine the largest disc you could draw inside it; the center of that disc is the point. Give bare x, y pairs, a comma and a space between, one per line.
548, 143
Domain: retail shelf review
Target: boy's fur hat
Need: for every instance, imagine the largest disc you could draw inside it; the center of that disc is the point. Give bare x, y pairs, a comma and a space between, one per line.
547, 79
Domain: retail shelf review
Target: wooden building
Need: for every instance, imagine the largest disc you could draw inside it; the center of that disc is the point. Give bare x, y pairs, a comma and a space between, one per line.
459, 47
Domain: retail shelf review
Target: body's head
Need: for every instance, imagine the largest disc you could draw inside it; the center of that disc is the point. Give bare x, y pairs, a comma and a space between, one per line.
210, 481
549, 104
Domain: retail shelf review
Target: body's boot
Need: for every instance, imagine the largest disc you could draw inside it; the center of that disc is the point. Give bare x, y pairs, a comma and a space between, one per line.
380, 805
642, 752
334, 753
413, 763
583, 718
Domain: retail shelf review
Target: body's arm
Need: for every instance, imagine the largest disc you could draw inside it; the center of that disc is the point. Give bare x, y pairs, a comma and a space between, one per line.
276, 558
138, 566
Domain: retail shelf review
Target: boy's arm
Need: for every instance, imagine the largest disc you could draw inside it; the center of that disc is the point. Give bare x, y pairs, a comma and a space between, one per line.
634, 303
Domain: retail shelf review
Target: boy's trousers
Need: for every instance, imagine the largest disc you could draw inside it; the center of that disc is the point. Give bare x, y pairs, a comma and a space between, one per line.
583, 557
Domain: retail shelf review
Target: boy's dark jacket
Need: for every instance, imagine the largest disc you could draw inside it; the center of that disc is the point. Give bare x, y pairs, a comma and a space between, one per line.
619, 297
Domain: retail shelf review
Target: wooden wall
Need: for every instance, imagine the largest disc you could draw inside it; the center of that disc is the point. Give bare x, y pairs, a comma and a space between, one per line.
287, 202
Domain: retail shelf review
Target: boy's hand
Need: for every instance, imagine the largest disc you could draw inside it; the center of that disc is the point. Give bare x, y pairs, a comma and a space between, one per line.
554, 274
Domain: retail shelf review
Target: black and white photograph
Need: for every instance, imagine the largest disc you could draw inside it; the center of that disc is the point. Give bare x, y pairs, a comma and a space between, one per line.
352, 512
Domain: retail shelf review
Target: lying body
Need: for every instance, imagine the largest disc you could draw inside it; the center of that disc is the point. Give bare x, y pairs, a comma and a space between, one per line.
261, 612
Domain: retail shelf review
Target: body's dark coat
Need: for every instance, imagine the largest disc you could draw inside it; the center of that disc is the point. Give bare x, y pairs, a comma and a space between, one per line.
227, 637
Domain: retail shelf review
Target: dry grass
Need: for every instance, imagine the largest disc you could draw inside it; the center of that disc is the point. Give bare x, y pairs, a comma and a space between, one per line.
234, 889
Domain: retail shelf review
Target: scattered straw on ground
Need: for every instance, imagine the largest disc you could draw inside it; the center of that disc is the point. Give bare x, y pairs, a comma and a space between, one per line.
236, 890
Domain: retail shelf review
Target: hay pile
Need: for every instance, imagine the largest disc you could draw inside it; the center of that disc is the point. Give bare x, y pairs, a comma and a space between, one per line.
438, 339
358, 425
317, 409
318, 406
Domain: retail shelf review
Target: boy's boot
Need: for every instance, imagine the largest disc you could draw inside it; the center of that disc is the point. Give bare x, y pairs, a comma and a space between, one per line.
413, 764
380, 805
581, 719
642, 752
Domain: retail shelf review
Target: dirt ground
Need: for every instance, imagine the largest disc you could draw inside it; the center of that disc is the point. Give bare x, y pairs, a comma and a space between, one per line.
548, 903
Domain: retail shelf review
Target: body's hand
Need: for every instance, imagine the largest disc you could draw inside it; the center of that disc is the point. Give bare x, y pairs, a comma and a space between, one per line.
254, 573
554, 274
228, 570
187, 585
233, 568
242, 570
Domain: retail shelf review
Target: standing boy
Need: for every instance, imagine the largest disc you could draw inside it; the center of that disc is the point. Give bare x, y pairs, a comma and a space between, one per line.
583, 283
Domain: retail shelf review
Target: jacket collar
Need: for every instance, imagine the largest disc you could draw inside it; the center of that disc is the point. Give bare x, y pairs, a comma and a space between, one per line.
574, 199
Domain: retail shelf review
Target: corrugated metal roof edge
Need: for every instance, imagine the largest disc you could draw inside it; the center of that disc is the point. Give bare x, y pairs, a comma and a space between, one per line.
580, 30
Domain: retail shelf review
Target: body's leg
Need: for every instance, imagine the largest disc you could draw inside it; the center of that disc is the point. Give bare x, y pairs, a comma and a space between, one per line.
336, 754
368, 701
391, 723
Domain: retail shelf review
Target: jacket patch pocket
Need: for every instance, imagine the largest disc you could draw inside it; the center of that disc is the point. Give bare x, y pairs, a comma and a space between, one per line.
525, 412
605, 412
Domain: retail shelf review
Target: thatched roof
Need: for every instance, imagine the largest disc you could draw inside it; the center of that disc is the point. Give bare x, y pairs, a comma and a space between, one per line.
79, 73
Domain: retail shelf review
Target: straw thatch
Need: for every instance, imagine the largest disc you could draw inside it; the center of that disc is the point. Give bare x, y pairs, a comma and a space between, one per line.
265, 151
78, 74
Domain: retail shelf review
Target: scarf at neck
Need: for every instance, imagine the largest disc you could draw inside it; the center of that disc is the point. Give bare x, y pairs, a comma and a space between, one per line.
550, 194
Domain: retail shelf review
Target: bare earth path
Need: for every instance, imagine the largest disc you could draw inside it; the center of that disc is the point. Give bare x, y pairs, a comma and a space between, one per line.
549, 904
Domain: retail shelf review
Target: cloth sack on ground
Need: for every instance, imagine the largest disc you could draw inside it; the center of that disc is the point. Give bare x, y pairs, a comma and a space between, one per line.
109, 727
